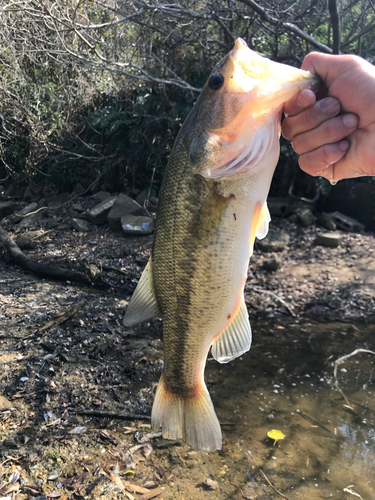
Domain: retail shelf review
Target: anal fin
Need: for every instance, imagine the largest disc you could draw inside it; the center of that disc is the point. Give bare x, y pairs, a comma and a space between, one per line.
143, 305
235, 339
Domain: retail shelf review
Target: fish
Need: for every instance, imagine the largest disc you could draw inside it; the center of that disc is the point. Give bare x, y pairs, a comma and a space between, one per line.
212, 206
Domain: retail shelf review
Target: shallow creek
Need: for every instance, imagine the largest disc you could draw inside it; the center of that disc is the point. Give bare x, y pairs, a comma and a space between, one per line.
286, 382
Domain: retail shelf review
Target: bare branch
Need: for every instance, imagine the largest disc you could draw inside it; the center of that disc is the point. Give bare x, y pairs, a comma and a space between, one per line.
336, 28
288, 26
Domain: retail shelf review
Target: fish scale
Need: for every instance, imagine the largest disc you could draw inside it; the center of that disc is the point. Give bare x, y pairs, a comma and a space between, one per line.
212, 205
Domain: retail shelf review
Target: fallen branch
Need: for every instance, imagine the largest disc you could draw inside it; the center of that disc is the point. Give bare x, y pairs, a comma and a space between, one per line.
341, 360
111, 414
248, 453
63, 316
47, 270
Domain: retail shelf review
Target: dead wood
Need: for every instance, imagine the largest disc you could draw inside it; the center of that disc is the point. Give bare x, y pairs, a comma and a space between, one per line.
111, 414
63, 316
39, 268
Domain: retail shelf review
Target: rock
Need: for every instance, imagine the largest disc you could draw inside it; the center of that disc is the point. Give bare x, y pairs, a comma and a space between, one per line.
136, 225
51, 223
80, 225
25, 241
210, 483
30, 220
329, 239
141, 261
346, 223
280, 207
101, 196
7, 208
31, 207
275, 241
272, 264
77, 207
124, 205
305, 216
10, 443
325, 220
58, 200
293, 218
98, 214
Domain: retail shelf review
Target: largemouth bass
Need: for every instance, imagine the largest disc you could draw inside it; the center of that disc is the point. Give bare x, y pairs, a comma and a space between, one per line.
212, 205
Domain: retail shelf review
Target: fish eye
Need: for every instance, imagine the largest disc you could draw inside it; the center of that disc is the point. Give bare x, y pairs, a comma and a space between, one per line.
216, 81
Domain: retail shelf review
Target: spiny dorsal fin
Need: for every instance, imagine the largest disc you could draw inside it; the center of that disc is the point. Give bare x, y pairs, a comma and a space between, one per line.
235, 339
143, 305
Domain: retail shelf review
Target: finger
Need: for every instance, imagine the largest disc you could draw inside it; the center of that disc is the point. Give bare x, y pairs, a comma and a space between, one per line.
299, 102
311, 117
330, 131
318, 161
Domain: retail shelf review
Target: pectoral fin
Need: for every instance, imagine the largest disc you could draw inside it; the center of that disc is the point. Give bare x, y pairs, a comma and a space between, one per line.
260, 223
235, 339
143, 305
264, 221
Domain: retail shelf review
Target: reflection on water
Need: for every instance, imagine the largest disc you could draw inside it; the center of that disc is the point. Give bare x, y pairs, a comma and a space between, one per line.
286, 382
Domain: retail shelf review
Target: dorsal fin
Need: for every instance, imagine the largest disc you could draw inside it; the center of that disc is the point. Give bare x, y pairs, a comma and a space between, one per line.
143, 305
235, 339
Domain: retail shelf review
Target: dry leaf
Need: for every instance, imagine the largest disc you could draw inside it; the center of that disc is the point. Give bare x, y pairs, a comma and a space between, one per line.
151, 494
135, 488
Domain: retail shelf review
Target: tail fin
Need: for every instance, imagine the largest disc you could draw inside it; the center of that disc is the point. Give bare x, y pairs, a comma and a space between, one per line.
191, 419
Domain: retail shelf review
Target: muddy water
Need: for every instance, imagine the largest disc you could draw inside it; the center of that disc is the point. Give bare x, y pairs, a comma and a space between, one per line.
286, 382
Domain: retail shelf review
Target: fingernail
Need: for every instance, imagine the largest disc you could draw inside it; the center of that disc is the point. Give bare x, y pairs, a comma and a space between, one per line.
350, 121
330, 106
344, 145
305, 99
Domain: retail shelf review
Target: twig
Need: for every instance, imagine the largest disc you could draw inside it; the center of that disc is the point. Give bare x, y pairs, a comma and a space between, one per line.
348, 490
111, 414
312, 420
63, 205
63, 316
239, 489
287, 306
265, 477
341, 360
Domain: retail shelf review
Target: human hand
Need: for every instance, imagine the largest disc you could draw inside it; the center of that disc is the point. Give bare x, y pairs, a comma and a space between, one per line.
335, 136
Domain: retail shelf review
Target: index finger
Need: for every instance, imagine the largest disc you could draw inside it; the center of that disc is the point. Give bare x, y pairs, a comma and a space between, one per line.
299, 102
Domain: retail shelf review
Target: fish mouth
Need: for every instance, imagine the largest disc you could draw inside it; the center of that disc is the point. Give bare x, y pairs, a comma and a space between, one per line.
276, 83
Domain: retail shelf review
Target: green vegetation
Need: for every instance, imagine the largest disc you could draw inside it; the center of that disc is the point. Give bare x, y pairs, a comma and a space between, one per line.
90, 88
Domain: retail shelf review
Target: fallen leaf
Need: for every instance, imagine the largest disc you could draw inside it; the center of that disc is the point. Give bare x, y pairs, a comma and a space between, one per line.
135, 488
151, 494
78, 430
54, 494
4, 403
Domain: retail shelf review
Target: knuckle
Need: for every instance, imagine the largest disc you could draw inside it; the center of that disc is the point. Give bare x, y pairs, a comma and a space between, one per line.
325, 155
296, 145
330, 129
286, 130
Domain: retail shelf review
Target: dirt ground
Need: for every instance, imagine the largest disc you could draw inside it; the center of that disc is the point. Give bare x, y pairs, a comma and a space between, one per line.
77, 386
